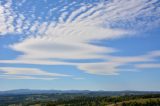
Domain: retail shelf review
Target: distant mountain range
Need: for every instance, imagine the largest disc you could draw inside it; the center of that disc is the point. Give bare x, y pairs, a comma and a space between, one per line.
30, 91
85, 92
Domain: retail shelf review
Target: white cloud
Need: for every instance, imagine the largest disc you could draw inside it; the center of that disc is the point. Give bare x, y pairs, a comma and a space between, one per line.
76, 12
121, 13
3, 25
66, 45
148, 66
25, 77
106, 13
99, 68
10, 21
113, 64
28, 71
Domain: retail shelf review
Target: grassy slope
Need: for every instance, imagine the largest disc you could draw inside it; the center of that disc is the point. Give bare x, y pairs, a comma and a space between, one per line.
136, 100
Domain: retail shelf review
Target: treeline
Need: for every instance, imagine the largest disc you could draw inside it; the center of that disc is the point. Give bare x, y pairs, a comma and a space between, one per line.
152, 100
79, 100
155, 102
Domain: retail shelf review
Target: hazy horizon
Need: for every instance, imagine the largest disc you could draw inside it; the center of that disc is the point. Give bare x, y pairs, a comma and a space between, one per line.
80, 90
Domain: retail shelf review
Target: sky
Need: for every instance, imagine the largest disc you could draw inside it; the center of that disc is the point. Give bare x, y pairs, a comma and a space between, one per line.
107, 45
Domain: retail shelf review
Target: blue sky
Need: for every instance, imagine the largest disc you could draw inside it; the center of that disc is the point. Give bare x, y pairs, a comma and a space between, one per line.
80, 44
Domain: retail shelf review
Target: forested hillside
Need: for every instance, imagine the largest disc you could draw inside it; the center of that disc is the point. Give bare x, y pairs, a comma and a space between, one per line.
79, 100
